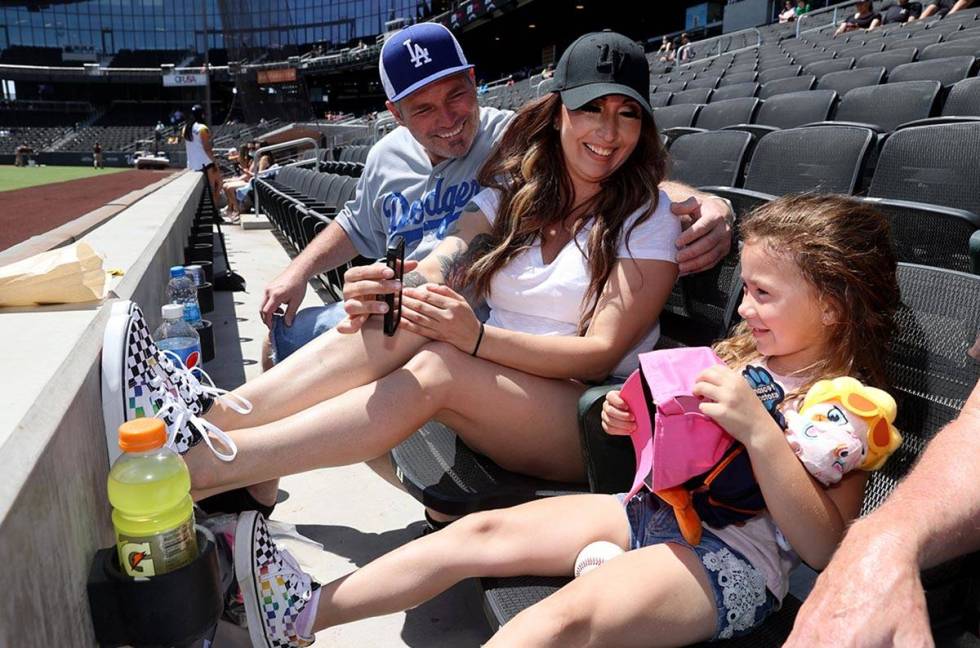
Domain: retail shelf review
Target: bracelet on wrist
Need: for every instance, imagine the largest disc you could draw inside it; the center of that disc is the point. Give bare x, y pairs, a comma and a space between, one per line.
479, 339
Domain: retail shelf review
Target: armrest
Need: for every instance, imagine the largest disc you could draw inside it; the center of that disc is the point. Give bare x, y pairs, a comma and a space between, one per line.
757, 130
609, 460
743, 200
673, 133
935, 121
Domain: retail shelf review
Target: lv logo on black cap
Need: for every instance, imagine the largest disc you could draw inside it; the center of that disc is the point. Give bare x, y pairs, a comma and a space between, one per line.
610, 60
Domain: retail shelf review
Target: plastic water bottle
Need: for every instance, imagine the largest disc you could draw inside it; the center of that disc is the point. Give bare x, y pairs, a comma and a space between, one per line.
178, 336
152, 511
181, 290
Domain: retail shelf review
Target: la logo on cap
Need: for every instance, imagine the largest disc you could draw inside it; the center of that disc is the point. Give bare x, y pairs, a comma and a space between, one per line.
417, 53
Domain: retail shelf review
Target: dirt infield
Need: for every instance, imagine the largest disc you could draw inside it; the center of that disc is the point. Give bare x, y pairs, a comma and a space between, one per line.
27, 212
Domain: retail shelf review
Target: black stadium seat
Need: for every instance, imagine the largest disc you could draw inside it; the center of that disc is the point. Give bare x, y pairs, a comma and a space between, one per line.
847, 80
659, 99
889, 59
926, 182
736, 78
825, 66
696, 96
709, 158
789, 84
887, 106
945, 70
796, 108
719, 114
780, 72
963, 47
710, 82
963, 99
675, 116
748, 89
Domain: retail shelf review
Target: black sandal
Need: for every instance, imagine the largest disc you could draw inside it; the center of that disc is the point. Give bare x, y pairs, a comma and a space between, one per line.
433, 525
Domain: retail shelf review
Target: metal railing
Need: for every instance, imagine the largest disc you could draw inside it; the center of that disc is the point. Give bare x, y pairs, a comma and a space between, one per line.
715, 42
292, 144
835, 12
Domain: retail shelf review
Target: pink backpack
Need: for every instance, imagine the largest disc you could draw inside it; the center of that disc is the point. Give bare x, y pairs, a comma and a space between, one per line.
676, 442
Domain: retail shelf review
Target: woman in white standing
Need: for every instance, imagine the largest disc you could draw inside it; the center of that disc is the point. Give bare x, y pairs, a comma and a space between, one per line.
197, 143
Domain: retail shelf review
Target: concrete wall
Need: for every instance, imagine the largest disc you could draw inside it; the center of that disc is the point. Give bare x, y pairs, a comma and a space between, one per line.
54, 513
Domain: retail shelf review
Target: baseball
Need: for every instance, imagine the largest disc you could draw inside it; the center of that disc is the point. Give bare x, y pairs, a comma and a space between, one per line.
594, 555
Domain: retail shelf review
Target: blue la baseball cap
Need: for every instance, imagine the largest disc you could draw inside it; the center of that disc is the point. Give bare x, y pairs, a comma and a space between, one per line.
418, 55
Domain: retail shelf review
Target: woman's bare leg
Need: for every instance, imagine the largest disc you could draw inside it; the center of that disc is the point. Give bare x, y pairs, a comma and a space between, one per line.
655, 596
492, 543
328, 365
525, 423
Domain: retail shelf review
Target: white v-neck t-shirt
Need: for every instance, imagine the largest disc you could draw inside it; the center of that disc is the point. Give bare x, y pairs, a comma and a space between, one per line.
529, 296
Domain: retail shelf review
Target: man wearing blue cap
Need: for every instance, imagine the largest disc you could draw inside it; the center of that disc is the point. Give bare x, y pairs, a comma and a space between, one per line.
417, 180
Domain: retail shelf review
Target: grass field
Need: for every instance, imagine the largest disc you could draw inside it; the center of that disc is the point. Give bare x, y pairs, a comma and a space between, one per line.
12, 177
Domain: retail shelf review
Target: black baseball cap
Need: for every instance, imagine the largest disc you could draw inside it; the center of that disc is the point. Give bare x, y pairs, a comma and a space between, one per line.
600, 64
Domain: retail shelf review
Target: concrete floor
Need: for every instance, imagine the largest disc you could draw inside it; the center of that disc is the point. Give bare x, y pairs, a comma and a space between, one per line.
352, 512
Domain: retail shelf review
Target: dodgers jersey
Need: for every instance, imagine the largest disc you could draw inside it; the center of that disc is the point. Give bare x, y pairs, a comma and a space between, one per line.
400, 192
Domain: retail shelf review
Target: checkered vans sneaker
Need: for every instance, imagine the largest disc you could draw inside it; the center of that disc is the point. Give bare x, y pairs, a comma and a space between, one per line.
186, 429
280, 600
195, 387
139, 380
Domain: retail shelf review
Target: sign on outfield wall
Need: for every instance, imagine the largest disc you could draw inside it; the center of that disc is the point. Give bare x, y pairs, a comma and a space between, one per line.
180, 80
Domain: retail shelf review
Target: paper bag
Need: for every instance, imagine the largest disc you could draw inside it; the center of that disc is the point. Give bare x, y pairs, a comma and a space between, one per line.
66, 275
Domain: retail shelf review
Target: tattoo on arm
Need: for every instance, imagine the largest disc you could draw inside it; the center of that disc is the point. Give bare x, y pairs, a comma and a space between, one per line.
413, 279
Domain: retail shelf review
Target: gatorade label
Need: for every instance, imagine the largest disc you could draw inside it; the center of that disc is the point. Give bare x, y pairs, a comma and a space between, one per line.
157, 554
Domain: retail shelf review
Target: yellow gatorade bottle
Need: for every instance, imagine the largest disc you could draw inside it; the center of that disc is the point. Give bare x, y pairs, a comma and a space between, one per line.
149, 488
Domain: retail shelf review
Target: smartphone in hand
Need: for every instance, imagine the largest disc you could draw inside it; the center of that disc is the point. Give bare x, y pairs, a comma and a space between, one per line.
394, 259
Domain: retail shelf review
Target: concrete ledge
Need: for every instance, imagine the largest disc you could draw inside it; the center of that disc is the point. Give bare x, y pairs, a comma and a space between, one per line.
53, 506
255, 222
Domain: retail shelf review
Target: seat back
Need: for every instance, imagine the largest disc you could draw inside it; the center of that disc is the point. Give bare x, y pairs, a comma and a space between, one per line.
719, 114
660, 99
963, 99
889, 105
889, 59
675, 116
932, 164
710, 82
736, 78
736, 91
962, 47
789, 84
844, 82
715, 158
796, 108
781, 72
929, 371
819, 158
695, 96
945, 70
825, 66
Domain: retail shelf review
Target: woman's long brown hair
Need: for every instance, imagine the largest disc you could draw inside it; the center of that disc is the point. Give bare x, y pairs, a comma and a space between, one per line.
528, 170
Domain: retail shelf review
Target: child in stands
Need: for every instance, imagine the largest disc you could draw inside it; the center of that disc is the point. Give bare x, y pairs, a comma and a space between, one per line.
820, 294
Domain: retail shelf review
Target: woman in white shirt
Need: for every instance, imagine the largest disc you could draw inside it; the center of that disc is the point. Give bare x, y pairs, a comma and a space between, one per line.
573, 246
197, 144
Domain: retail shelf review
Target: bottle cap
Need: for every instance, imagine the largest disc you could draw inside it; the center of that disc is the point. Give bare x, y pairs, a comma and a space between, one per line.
142, 434
176, 271
173, 311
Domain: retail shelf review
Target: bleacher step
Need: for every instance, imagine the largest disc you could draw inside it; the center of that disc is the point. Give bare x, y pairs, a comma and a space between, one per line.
255, 222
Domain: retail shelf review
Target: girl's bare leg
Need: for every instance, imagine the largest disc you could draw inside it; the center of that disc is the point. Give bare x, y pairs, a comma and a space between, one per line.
492, 543
655, 596
525, 423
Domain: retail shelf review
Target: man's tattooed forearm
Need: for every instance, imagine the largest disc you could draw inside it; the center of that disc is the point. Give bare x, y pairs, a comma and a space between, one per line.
413, 279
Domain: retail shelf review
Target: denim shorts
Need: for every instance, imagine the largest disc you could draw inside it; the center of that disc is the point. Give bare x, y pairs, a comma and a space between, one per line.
308, 323
741, 598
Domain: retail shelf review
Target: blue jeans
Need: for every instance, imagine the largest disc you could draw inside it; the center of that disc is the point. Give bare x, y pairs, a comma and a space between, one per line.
308, 323
741, 598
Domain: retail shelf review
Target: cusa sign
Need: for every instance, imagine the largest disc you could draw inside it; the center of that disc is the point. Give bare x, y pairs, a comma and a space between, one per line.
180, 80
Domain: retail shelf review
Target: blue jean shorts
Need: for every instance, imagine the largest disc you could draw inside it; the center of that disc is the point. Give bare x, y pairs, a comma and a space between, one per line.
308, 323
741, 598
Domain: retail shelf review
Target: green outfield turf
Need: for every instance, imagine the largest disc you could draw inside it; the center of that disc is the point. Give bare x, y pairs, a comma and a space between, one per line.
12, 177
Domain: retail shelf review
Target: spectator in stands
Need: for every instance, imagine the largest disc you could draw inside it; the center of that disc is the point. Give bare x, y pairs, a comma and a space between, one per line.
97, 156
548, 71
788, 13
816, 307
802, 7
399, 174
685, 54
664, 48
871, 593
238, 192
900, 11
943, 8
863, 16
197, 143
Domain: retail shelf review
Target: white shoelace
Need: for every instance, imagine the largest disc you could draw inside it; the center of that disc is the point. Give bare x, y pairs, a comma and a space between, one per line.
184, 418
208, 388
